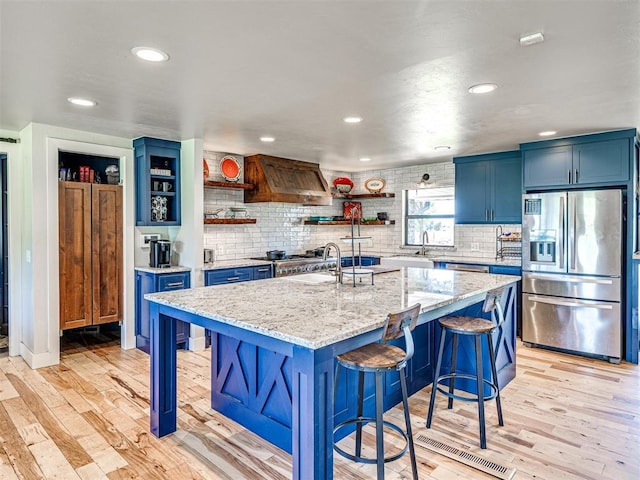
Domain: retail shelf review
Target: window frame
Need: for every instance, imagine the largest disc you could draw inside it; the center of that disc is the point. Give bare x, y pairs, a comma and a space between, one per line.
407, 217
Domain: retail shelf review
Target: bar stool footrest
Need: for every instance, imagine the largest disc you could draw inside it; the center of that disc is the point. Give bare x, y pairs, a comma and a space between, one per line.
449, 376
364, 421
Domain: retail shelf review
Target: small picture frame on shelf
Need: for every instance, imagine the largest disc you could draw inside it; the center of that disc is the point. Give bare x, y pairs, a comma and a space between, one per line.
352, 210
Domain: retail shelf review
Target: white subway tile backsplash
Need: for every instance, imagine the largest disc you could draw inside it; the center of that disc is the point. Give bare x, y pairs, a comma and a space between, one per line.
280, 225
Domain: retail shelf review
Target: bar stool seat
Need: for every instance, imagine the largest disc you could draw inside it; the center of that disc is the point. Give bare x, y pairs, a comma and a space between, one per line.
379, 358
478, 328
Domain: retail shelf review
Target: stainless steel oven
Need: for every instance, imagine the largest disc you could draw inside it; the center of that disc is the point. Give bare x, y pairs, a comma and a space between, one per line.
298, 264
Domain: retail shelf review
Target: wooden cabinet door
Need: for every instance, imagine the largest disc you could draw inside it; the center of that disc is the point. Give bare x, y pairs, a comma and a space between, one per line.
106, 225
74, 225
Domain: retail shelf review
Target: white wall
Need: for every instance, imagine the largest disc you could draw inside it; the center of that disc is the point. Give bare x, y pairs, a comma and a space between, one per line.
281, 225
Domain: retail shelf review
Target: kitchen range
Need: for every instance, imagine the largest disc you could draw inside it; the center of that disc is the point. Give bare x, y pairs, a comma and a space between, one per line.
297, 264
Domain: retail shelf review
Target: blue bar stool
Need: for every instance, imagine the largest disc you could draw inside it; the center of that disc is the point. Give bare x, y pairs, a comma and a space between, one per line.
478, 328
379, 358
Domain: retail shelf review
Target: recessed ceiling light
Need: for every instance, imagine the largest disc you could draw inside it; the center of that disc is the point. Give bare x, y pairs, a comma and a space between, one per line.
532, 39
352, 119
442, 147
365, 159
150, 54
547, 133
483, 88
83, 102
267, 139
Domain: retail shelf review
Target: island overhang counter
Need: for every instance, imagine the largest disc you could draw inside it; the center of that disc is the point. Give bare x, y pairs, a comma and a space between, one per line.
274, 344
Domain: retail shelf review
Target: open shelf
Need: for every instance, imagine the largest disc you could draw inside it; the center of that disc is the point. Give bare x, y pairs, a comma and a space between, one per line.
228, 221
364, 195
348, 222
236, 185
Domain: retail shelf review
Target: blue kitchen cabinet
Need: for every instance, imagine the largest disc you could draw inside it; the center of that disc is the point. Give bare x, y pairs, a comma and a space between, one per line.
584, 161
263, 271
157, 169
488, 188
365, 261
148, 282
238, 274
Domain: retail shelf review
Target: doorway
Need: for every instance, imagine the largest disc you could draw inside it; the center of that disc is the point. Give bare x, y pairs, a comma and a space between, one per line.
4, 260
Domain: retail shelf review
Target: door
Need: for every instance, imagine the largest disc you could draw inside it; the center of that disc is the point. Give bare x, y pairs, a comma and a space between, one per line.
471, 192
106, 240
4, 257
546, 167
595, 232
506, 191
585, 326
544, 226
74, 207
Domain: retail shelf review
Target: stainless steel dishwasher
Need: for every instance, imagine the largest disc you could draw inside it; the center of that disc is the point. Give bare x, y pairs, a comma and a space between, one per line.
462, 267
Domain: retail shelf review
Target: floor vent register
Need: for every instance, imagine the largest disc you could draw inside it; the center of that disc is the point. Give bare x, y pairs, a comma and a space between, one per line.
469, 459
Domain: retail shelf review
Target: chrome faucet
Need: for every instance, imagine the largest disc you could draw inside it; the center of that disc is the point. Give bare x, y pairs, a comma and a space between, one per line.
425, 241
327, 247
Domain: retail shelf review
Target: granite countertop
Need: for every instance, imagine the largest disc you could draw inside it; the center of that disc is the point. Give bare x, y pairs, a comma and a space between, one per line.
175, 269
314, 315
636, 256
242, 262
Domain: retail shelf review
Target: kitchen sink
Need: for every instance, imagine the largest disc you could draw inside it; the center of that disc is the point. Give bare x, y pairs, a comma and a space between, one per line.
412, 260
312, 278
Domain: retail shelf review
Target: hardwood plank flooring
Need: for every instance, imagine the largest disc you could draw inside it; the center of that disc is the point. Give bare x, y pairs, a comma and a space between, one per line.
566, 417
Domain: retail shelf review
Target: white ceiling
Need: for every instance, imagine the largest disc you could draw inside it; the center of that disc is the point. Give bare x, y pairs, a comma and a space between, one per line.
294, 69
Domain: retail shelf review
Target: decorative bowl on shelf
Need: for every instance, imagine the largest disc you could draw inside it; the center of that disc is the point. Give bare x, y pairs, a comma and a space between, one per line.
320, 219
343, 184
370, 219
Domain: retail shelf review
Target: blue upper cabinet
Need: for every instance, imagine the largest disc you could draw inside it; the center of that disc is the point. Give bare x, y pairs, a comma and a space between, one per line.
157, 167
488, 188
583, 161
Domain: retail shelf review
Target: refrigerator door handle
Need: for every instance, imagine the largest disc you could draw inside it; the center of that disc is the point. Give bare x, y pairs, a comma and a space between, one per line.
570, 279
562, 233
566, 303
573, 217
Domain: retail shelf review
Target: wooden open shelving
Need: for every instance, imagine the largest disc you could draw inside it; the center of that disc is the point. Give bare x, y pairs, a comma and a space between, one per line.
348, 222
236, 185
363, 195
228, 221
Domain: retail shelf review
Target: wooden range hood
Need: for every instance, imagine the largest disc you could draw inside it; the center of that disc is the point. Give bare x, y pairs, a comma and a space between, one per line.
278, 179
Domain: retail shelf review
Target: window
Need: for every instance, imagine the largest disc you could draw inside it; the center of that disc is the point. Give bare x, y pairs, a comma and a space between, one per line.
430, 210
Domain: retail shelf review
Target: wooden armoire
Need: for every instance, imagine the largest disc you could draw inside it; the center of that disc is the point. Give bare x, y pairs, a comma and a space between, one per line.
90, 238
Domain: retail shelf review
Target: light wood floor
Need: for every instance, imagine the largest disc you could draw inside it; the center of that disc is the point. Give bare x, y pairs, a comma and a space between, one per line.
565, 418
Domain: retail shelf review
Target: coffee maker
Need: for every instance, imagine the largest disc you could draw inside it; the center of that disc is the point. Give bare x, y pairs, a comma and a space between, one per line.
159, 253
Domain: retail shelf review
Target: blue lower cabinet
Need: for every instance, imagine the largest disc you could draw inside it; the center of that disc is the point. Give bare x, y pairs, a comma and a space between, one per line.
362, 261
263, 271
147, 282
222, 276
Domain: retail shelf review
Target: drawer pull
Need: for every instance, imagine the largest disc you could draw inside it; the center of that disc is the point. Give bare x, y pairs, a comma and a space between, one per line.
263, 269
229, 279
175, 284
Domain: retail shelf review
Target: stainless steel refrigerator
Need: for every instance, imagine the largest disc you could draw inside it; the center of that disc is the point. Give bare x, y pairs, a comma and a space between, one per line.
572, 271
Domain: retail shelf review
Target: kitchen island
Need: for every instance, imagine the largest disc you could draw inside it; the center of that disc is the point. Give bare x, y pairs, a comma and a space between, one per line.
274, 343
